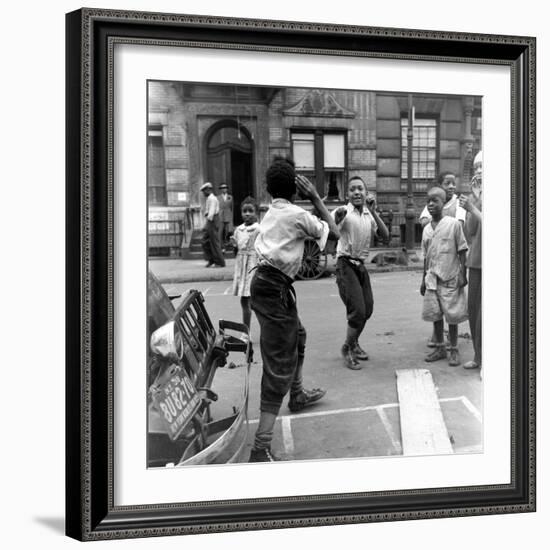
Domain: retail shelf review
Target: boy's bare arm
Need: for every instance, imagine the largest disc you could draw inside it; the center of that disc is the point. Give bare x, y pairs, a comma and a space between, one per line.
307, 190
423, 284
469, 205
463, 279
382, 229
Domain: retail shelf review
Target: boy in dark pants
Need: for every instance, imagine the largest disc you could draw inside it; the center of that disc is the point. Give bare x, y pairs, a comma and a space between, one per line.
280, 247
356, 222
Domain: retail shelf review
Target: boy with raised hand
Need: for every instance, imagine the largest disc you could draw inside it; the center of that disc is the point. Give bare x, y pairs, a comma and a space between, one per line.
472, 230
444, 247
280, 247
356, 222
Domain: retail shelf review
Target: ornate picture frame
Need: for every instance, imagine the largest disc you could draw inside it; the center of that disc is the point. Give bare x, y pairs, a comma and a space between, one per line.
91, 509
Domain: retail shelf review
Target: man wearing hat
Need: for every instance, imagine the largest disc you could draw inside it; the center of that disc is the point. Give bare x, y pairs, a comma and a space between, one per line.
211, 229
226, 214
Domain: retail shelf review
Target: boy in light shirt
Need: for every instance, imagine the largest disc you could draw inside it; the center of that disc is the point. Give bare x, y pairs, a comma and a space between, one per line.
280, 247
444, 247
447, 182
357, 221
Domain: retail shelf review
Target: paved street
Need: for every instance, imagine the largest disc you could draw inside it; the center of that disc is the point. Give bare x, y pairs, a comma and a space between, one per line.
359, 416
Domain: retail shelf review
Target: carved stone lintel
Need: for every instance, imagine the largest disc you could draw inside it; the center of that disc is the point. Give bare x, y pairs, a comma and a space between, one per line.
317, 103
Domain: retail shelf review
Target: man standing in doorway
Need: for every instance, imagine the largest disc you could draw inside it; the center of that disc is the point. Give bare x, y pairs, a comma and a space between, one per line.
226, 214
211, 229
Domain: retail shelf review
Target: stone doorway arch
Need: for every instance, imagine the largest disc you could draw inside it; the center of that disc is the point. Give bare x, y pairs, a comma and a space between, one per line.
230, 160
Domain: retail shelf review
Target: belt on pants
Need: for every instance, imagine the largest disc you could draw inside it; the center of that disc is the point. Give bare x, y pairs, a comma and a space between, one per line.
357, 262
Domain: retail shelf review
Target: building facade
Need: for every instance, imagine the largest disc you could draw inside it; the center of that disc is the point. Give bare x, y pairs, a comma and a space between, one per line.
229, 134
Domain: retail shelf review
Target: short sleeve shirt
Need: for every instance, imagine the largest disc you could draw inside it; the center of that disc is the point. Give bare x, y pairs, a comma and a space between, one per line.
355, 232
282, 232
441, 247
212, 206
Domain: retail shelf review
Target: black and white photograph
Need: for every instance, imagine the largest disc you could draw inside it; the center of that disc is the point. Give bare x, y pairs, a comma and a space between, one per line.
226, 215
278, 304
314, 273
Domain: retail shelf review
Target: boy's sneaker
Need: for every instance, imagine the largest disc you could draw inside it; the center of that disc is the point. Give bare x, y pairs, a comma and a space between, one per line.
437, 354
262, 455
360, 353
305, 398
454, 358
349, 358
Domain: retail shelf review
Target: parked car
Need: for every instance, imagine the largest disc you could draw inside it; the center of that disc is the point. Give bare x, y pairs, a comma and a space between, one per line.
188, 422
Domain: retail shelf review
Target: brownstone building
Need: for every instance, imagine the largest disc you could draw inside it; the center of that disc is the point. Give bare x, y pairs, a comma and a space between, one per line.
229, 133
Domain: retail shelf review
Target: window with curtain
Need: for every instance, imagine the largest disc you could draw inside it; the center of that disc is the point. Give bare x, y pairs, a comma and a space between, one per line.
321, 156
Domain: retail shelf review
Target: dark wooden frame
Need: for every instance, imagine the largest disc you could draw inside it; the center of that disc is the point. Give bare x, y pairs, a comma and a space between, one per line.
91, 34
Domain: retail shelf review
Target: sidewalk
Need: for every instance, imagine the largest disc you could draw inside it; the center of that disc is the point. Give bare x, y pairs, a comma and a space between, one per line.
176, 270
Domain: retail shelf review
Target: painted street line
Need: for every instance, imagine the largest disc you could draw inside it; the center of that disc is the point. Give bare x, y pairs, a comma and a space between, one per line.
470, 406
389, 430
288, 440
363, 409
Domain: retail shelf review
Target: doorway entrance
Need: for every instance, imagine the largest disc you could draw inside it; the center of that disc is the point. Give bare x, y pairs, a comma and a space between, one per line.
229, 159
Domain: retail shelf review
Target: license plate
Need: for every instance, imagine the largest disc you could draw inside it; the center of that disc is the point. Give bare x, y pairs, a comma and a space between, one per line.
176, 399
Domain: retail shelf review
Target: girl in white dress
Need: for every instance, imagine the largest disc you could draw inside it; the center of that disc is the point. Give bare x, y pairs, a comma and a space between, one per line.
247, 258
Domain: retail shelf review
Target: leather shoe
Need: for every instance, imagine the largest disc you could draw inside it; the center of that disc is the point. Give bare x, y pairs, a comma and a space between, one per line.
437, 354
360, 353
454, 358
349, 358
262, 455
305, 398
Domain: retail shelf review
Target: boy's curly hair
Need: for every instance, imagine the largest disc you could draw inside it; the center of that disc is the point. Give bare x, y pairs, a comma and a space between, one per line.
280, 178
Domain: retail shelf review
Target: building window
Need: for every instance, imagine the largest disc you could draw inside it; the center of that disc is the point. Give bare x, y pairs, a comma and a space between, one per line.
424, 148
155, 168
321, 156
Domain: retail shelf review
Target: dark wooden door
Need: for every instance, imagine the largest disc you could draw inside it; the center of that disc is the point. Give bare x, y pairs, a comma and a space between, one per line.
241, 181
